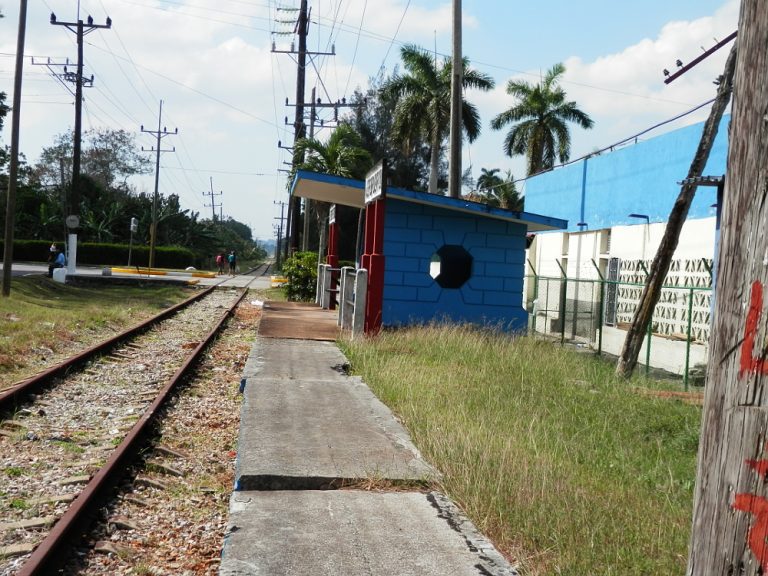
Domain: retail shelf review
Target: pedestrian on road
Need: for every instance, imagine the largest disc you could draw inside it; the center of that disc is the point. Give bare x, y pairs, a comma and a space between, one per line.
232, 258
220, 264
56, 259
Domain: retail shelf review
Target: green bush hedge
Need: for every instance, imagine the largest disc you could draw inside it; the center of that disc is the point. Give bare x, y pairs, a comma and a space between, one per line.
94, 254
301, 272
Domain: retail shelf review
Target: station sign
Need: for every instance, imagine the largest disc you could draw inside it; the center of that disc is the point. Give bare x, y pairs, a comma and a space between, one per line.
375, 183
332, 214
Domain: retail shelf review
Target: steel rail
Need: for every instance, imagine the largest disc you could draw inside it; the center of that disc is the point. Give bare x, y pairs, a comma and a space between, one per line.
51, 553
11, 397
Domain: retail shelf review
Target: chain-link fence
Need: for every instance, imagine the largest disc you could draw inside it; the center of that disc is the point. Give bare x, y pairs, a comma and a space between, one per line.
597, 314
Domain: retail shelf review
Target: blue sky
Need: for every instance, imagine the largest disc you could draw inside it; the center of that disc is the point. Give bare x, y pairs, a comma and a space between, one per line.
225, 91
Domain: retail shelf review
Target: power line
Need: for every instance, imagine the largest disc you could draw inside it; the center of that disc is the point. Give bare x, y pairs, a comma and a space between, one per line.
213, 205
397, 31
190, 88
159, 134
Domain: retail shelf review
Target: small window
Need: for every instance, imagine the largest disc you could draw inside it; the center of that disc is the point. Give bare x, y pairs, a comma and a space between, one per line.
451, 266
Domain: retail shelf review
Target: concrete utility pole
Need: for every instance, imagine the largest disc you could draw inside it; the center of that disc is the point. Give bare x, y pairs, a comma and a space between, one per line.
730, 515
213, 204
73, 218
159, 134
457, 71
278, 248
10, 208
307, 201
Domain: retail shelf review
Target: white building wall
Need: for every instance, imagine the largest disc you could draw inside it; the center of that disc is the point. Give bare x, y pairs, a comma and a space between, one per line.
635, 246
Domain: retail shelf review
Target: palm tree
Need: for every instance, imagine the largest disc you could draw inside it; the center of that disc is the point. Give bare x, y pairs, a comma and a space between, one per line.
497, 191
342, 155
539, 120
423, 98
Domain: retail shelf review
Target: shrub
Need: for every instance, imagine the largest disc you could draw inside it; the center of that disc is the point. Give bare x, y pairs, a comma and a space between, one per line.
301, 271
96, 254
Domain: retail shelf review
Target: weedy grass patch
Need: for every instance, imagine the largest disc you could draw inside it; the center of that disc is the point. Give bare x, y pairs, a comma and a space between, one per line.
566, 468
42, 318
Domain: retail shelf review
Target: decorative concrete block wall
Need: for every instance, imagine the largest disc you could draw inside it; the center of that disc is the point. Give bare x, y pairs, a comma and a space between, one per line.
492, 295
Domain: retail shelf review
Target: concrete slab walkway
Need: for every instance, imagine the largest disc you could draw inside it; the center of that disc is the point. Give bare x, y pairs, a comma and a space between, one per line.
318, 458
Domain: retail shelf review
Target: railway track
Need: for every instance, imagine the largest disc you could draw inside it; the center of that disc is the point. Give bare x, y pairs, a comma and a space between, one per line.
75, 429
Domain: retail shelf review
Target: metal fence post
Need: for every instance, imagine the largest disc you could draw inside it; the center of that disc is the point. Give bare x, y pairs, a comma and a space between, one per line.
601, 311
688, 339
563, 303
648, 337
649, 334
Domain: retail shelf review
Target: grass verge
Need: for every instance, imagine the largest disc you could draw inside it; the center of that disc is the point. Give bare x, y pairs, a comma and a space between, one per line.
43, 321
567, 469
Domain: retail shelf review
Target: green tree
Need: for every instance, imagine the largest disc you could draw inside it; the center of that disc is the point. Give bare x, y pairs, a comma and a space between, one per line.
4, 109
372, 116
539, 121
423, 96
497, 191
109, 158
342, 155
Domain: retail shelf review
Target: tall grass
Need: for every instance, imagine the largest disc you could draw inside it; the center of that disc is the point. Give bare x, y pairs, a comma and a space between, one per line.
563, 466
42, 319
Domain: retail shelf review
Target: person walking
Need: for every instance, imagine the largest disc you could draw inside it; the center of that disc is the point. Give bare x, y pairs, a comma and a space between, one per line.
220, 264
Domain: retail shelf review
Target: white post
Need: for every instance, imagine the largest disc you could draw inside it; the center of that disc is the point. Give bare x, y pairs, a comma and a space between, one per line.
325, 298
72, 256
346, 297
361, 290
320, 283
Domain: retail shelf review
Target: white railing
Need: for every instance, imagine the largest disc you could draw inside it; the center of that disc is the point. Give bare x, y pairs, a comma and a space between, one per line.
352, 296
352, 290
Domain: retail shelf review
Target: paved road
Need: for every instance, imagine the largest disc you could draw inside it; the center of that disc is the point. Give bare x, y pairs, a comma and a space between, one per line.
241, 280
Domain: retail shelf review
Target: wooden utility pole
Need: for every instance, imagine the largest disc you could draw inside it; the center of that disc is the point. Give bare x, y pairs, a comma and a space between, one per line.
457, 70
80, 29
159, 134
10, 208
299, 128
661, 262
730, 517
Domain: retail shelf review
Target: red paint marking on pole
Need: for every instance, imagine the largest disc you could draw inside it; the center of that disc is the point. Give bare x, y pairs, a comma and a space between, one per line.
759, 466
757, 538
749, 364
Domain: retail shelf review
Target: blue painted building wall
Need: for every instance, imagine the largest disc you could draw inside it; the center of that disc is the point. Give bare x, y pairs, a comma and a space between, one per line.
494, 293
603, 190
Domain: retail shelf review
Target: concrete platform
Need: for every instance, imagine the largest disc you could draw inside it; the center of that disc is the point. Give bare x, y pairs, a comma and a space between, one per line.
306, 425
275, 358
307, 428
351, 533
302, 435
